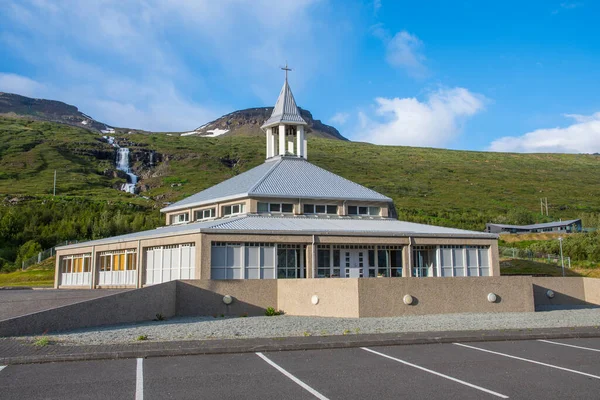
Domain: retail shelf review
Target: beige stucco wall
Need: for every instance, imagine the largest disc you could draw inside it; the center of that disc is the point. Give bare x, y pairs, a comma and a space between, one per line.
592, 290
337, 297
205, 297
383, 297
567, 291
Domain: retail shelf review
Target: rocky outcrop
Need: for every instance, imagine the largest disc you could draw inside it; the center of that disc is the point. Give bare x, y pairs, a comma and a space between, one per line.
249, 121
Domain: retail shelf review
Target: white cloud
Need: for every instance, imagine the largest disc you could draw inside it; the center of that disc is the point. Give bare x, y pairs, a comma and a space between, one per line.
581, 137
339, 118
149, 55
435, 122
404, 51
13, 83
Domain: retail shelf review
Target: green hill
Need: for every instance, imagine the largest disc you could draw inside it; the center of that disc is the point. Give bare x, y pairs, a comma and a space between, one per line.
452, 188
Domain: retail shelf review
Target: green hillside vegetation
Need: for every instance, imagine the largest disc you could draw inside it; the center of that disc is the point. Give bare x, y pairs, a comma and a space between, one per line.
450, 188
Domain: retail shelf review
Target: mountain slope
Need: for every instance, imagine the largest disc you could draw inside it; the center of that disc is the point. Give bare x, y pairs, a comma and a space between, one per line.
462, 189
47, 110
249, 121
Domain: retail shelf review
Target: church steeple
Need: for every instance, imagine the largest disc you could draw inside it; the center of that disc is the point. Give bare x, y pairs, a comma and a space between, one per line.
285, 122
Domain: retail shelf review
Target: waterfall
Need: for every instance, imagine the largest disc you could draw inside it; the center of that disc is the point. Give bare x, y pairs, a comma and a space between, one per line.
123, 165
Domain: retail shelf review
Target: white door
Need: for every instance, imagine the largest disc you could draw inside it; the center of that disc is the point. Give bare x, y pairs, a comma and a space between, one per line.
354, 262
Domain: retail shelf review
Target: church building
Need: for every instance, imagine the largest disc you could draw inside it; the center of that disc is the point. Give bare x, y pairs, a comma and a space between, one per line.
284, 219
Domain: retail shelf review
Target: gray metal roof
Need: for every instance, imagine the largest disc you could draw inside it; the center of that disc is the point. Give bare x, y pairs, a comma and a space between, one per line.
538, 226
283, 177
285, 110
297, 225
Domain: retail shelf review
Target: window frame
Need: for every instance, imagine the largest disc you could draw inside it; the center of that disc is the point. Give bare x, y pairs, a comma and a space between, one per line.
240, 206
212, 214
326, 208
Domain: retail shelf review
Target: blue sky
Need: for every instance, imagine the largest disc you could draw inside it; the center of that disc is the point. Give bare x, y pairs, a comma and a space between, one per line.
502, 76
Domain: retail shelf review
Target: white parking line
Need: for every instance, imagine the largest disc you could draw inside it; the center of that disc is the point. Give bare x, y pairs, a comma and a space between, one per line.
437, 373
139, 380
292, 377
569, 345
528, 360
2, 367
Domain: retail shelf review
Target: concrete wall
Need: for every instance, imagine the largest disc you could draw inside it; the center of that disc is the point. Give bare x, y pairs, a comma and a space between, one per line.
130, 306
592, 290
383, 297
337, 297
567, 291
205, 297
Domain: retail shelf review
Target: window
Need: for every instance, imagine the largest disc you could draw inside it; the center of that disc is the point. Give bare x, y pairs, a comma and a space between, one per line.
275, 208
324, 262
464, 260
360, 210
120, 260
76, 263
234, 209
206, 214
180, 218
424, 261
288, 264
320, 209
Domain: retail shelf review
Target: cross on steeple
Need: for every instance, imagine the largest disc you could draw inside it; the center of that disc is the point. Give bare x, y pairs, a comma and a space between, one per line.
286, 69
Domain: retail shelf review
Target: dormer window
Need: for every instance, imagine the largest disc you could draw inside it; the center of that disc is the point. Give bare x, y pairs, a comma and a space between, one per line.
320, 209
207, 213
275, 208
233, 209
180, 218
362, 210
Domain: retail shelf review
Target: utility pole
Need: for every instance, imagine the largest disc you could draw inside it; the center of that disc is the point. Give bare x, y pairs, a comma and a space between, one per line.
54, 192
541, 206
546, 206
562, 260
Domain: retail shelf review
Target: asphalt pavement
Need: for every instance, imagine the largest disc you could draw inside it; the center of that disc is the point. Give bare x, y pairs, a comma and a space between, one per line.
527, 369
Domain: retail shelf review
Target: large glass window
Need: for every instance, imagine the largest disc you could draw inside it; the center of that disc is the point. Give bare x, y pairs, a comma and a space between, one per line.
324, 262
76, 263
288, 265
424, 261
119, 260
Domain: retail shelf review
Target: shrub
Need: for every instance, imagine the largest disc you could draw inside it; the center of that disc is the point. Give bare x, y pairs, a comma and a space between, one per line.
142, 337
42, 341
270, 312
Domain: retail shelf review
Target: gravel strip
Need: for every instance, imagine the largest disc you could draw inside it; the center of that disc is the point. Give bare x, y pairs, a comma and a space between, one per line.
197, 328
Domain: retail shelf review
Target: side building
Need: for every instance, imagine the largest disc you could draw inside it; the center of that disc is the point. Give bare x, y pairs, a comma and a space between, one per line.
567, 226
284, 219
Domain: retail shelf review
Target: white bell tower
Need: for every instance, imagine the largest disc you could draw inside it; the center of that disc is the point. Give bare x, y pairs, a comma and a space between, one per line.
285, 127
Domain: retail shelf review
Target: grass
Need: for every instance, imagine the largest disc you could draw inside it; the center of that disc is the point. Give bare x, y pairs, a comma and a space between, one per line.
463, 189
527, 267
41, 341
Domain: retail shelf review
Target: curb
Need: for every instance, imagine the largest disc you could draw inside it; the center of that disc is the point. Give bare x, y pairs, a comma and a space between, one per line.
229, 346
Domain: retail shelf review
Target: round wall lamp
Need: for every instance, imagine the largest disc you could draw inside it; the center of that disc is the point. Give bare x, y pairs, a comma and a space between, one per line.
491, 297
550, 294
314, 299
408, 299
227, 299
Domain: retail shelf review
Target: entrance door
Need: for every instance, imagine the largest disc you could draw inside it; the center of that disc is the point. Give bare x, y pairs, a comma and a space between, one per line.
354, 262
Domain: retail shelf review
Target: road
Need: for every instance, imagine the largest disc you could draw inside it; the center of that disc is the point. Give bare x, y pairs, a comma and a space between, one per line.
564, 369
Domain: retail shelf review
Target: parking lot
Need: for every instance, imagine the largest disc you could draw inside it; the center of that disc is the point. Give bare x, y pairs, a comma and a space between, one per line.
568, 368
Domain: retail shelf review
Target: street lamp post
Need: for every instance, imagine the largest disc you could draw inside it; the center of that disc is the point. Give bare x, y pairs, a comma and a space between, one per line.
562, 260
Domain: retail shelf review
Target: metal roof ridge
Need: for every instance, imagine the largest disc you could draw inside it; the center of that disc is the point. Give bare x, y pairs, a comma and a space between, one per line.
339, 176
265, 176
